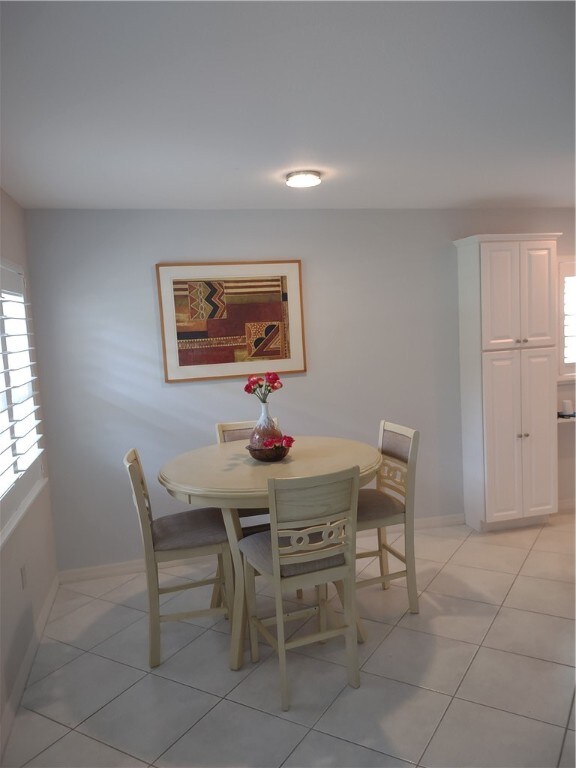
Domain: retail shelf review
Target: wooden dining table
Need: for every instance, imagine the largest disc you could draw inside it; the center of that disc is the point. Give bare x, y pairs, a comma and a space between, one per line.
225, 475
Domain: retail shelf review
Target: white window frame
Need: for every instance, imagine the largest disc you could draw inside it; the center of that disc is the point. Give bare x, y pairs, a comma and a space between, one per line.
28, 474
566, 268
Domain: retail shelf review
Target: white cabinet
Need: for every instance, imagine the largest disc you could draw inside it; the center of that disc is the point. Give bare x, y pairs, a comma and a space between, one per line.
520, 467
518, 294
507, 311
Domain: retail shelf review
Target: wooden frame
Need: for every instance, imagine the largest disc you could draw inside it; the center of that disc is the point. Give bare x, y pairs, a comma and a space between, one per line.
223, 319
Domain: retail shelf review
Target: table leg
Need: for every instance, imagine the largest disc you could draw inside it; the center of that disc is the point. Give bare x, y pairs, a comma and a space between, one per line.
234, 531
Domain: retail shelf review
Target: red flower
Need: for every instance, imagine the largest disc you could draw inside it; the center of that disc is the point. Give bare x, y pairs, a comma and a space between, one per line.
262, 387
287, 441
270, 443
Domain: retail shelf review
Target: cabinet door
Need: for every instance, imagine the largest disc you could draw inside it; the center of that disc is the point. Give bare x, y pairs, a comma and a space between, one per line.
538, 293
539, 430
500, 285
502, 434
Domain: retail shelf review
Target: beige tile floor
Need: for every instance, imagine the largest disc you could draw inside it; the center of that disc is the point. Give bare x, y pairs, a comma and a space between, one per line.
482, 677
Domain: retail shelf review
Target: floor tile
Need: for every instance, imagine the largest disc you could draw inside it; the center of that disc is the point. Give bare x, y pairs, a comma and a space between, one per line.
459, 531
203, 663
465, 620
149, 717
533, 634
91, 624
426, 570
385, 715
476, 554
562, 520
334, 650
472, 583
130, 645
428, 661
98, 587
552, 540
543, 596
76, 691
253, 740
66, 601
313, 686
81, 752
474, 736
318, 750
523, 538
429, 547
531, 687
567, 759
377, 604
51, 655
134, 593
31, 734
196, 569
549, 565
193, 600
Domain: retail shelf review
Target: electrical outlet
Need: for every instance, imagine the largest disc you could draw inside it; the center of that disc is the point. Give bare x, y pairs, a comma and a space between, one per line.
23, 576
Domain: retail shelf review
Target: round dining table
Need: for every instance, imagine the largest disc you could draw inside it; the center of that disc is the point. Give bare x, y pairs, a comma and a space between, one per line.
225, 475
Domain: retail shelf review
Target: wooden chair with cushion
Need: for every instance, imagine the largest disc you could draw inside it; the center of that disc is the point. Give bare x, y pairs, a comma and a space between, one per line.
311, 542
179, 536
392, 503
231, 431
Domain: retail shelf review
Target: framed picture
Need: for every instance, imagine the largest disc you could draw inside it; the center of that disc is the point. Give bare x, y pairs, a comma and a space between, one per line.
231, 319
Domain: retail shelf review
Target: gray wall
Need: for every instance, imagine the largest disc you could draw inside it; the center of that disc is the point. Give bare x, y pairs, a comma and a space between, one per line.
380, 314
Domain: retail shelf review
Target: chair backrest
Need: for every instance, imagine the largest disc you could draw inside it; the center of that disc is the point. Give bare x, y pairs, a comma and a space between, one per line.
397, 475
313, 518
141, 498
229, 431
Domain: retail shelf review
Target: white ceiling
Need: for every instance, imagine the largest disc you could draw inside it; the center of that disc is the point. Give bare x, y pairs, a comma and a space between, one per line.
209, 104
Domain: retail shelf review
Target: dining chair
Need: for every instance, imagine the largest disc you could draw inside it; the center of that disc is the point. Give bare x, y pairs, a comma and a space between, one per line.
392, 503
311, 542
179, 536
231, 431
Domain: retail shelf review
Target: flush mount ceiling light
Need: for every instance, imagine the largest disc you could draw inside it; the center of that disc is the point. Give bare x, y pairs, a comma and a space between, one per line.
303, 179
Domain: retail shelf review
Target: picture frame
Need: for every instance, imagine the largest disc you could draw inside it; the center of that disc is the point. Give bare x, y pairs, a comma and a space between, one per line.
224, 319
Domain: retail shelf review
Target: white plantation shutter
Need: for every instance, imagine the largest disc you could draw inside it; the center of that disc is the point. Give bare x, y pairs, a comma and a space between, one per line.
19, 423
567, 356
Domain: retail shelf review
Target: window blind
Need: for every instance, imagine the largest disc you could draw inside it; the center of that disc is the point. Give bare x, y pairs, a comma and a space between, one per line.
19, 418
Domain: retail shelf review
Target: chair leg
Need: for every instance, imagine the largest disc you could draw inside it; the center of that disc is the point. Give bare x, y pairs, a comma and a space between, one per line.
322, 595
360, 634
349, 593
153, 621
383, 557
216, 600
411, 571
280, 637
227, 581
250, 589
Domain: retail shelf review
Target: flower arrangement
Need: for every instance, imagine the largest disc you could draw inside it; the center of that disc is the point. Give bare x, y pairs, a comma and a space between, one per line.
283, 442
262, 387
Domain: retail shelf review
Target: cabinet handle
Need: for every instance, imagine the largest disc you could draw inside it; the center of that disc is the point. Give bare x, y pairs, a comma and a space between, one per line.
526, 434
520, 435
517, 341
525, 341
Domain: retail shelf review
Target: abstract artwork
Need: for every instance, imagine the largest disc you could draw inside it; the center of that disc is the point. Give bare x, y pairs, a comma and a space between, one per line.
230, 319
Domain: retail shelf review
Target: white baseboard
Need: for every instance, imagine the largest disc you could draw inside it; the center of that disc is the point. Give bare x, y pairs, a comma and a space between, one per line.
20, 683
100, 571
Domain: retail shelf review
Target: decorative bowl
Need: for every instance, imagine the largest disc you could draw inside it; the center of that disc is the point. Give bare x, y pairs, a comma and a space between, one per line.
277, 453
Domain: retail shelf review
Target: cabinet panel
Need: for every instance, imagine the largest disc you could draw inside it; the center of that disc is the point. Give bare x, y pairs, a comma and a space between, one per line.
502, 434
500, 281
539, 429
538, 294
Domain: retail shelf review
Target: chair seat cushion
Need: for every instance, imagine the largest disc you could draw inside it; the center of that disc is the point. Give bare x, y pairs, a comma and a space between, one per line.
374, 505
257, 549
194, 528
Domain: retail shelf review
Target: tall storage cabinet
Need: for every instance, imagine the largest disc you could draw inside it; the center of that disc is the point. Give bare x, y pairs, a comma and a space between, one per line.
508, 376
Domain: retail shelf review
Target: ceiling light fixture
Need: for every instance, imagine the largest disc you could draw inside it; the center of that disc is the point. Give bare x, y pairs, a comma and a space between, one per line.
303, 179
